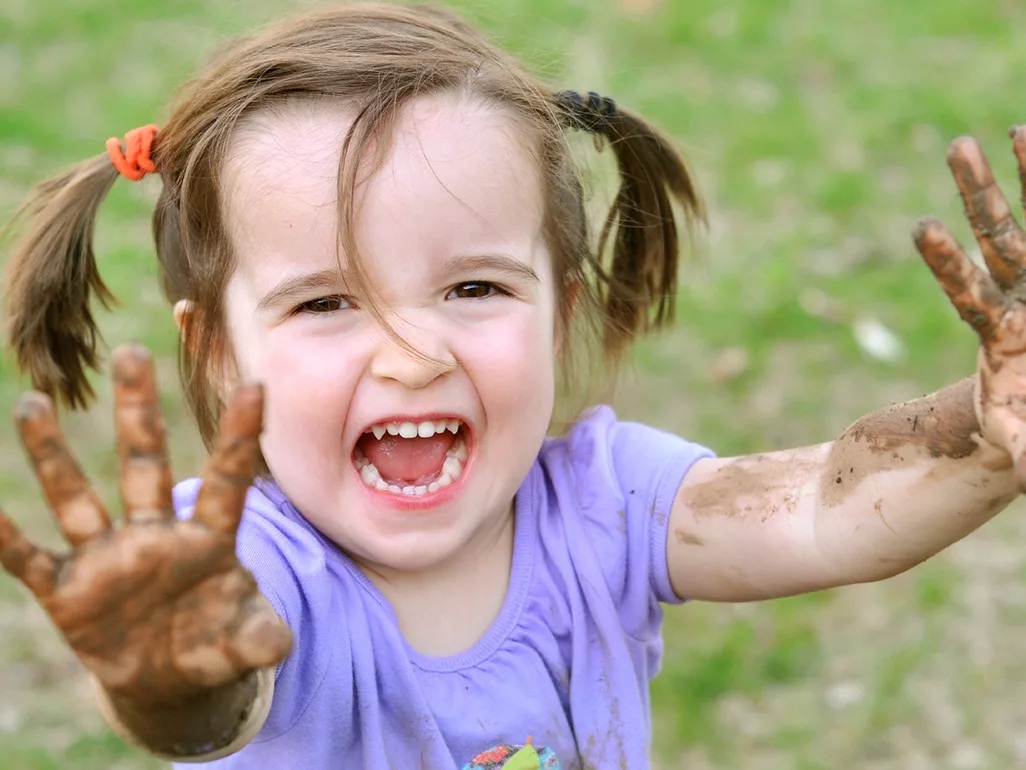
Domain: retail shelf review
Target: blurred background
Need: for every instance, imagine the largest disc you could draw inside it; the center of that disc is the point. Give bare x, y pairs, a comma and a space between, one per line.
818, 131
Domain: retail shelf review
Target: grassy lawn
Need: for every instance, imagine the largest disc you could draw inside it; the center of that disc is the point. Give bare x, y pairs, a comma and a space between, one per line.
818, 131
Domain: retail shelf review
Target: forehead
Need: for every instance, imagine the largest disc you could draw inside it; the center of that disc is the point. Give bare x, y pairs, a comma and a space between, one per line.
456, 175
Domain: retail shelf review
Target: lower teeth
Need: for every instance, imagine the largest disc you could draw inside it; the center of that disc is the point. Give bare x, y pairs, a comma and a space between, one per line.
452, 468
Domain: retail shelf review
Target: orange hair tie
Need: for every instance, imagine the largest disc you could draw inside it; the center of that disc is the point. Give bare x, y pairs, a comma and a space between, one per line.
135, 163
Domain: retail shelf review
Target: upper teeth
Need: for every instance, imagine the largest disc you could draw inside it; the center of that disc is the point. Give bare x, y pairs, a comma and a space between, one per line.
424, 429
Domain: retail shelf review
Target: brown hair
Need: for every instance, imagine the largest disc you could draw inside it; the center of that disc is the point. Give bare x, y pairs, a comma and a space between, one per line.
376, 58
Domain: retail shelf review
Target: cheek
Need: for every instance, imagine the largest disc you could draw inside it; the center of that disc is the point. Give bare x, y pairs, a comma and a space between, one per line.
513, 363
309, 386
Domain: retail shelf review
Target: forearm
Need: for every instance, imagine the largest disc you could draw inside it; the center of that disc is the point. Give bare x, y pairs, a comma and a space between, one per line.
895, 488
906, 482
209, 726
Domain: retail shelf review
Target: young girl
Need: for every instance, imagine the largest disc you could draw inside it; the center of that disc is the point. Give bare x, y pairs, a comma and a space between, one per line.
373, 213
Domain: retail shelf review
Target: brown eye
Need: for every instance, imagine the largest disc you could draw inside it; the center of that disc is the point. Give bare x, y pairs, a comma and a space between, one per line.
324, 305
472, 290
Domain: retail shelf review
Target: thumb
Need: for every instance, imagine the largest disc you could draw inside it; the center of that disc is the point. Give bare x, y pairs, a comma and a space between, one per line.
262, 638
1020, 472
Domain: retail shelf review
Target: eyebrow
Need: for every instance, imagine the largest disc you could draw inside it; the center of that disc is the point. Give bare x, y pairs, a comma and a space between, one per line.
300, 287
499, 263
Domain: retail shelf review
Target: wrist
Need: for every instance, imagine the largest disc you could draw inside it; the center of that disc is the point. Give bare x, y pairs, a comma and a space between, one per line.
213, 724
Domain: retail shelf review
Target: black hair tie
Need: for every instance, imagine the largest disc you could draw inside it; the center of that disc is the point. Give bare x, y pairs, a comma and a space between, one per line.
589, 112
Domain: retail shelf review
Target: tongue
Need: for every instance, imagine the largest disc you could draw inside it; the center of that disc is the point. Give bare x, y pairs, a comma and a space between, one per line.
410, 460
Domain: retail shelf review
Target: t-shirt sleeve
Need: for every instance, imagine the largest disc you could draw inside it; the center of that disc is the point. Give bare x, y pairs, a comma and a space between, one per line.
626, 479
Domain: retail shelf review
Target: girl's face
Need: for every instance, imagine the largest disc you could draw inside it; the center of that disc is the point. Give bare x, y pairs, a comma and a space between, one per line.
359, 432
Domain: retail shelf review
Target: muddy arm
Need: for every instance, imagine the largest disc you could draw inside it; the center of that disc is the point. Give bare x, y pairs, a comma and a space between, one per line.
895, 488
900, 484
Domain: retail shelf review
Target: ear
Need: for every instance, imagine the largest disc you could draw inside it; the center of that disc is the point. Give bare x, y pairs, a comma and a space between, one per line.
184, 313
573, 294
186, 317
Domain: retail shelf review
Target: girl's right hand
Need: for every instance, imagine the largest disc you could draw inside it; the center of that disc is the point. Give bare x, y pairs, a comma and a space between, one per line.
159, 610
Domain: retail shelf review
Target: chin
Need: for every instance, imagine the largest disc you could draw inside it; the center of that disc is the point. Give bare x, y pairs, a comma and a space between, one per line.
409, 552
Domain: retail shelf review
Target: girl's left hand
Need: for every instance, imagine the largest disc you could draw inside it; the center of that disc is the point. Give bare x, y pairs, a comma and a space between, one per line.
992, 301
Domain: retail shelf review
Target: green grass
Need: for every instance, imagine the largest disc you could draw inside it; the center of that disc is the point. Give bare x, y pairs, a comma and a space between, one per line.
818, 132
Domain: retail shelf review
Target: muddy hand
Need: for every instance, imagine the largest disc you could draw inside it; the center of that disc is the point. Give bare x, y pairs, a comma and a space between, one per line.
157, 609
991, 300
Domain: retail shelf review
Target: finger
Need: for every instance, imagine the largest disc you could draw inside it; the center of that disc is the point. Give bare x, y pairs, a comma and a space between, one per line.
145, 475
79, 512
233, 462
974, 294
1018, 134
1001, 240
226, 628
33, 566
1005, 422
205, 625
1020, 472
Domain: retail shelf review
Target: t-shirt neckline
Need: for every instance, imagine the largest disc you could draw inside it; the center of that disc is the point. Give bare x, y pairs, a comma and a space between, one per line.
525, 524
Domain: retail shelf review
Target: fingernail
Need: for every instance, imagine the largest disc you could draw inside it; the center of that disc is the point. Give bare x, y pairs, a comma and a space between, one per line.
32, 404
926, 227
131, 352
958, 145
924, 224
130, 363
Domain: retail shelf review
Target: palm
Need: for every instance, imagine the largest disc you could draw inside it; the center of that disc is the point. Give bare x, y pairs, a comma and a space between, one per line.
138, 577
157, 608
991, 300
1002, 383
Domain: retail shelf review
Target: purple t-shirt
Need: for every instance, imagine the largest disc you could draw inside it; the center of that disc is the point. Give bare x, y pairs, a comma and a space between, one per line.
567, 662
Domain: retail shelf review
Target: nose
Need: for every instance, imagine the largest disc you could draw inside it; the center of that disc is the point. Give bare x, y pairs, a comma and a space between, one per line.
413, 357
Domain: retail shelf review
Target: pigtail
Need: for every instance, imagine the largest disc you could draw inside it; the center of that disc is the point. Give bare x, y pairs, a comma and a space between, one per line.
51, 279
638, 288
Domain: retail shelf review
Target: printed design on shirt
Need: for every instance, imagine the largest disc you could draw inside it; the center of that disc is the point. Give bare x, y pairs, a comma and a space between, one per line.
521, 757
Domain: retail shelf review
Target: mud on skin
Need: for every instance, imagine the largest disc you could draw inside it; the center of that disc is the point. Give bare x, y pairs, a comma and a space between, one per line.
160, 611
740, 488
942, 424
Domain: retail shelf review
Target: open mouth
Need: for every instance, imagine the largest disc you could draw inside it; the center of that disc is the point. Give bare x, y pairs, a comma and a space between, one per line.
411, 458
